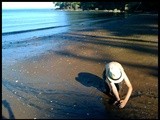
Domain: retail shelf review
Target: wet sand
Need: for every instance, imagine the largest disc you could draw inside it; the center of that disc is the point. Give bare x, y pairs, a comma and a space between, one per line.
66, 82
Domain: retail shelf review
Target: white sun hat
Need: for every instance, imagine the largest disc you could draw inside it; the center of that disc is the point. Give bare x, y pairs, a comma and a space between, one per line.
114, 74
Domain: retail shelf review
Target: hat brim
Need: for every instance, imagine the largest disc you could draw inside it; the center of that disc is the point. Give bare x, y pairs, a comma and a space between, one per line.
115, 81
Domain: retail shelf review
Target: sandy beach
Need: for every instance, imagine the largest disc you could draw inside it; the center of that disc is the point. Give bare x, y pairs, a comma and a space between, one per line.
65, 82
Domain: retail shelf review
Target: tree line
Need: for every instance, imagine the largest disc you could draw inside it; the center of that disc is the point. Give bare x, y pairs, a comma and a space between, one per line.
123, 6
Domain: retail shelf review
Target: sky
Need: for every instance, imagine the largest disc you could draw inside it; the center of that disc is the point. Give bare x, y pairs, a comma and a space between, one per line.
27, 5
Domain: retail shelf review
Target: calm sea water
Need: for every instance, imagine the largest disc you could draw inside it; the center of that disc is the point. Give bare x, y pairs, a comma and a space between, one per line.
29, 20
43, 22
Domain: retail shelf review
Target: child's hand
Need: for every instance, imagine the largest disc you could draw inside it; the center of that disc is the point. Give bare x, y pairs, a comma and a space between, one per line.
122, 104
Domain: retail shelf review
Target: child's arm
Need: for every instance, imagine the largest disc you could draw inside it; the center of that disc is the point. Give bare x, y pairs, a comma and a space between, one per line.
123, 102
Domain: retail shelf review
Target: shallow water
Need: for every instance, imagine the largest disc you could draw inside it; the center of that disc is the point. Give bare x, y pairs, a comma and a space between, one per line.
54, 103
25, 32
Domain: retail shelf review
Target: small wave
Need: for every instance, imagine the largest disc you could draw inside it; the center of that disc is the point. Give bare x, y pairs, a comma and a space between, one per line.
31, 30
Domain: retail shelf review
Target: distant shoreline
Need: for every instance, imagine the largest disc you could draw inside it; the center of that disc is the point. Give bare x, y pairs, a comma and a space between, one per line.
107, 11
112, 11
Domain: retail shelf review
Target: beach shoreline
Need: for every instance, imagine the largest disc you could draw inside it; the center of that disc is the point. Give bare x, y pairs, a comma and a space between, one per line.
66, 82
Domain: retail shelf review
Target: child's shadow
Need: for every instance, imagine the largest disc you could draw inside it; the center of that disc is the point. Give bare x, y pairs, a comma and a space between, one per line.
8, 107
89, 79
